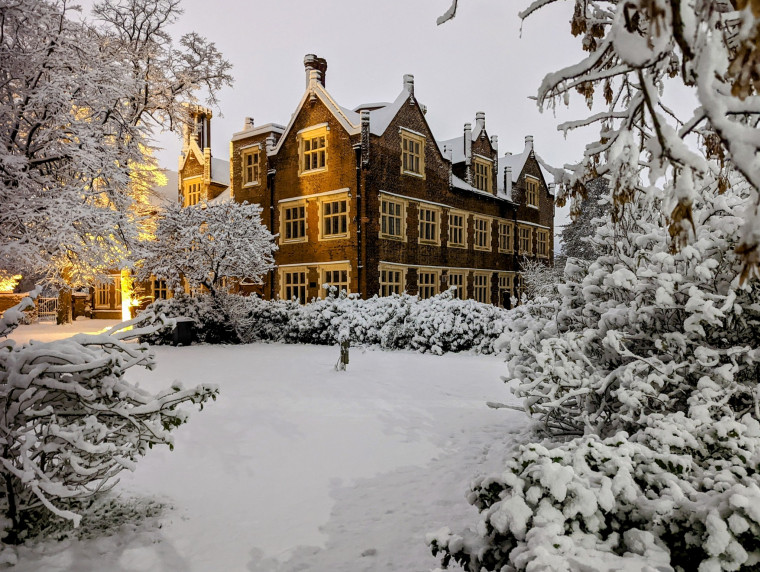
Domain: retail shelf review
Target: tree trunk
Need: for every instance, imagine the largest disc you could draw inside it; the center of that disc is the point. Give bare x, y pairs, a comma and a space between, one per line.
64, 307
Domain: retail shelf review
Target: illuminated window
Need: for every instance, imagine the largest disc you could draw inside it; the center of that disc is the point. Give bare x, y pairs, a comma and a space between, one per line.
392, 218
427, 283
293, 284
101, 294
391, 280
458, 279
483, 175
429, 225
337, 277
482, 233
412, 153
250, 159
313, 145
531, 192
160, 290
481, 290
542, 243
334, 219
526, 246
192, 193
457, 229
293, 222
505, 237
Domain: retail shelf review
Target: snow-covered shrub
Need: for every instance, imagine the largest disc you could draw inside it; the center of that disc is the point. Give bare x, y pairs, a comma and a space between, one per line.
211, 323
439, 324
649, 366
70, 421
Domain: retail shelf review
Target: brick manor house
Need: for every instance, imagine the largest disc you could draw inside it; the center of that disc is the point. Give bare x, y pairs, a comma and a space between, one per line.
368, 199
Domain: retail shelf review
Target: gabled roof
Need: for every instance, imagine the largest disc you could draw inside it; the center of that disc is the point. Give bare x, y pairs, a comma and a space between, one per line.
192, 146
350, 120
517, 163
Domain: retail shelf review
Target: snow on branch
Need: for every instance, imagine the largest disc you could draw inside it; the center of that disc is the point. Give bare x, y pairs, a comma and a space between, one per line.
70, 421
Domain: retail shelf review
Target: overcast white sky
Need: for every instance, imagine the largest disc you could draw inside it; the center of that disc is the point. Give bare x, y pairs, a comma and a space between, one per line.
478, 61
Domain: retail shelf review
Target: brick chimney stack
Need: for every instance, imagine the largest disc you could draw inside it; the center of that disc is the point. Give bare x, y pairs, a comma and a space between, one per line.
313, 62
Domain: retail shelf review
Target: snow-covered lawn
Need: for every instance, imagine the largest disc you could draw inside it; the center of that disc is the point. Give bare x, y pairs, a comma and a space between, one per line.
299, 467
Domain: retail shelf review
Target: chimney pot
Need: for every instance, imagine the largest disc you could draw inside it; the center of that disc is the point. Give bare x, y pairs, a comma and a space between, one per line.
480, 119
409, 83
248, 123
529, 140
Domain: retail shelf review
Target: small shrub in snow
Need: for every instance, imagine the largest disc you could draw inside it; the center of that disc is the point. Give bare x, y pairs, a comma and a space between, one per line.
69, 420
211, 323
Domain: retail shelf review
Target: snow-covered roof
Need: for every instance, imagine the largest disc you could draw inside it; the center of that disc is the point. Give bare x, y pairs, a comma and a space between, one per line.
517, 163
166, 192
455, 146
372, 106
380, 119
266, 128
224, 197
461, 184
220, 171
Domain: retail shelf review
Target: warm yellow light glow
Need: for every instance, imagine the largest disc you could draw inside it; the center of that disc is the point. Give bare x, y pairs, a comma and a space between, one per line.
8, 282
128, 300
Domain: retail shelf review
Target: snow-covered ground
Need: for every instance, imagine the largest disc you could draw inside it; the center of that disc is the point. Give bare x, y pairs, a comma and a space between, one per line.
299, 467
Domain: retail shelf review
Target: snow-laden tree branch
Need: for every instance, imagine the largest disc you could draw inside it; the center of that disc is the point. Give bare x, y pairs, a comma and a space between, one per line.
70, 421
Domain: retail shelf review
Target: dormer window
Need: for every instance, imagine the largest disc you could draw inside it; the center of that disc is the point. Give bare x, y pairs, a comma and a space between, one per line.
313, 150
412, 153
531, 192
483, 176
250, 160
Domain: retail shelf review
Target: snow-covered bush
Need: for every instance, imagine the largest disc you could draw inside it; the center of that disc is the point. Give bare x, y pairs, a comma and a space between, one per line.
649, 364
439, 324
211, 323
69, 420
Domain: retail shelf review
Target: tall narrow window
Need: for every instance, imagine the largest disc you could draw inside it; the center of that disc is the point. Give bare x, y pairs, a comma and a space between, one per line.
427, 284
412, 153
457, 229
483, 177
482, 233
505, 237
505, 290
293, 223
335, 219
482, 288
101, 294
192, 193
531, 192
429, 225
457, 279
542, 243
391, 218
526, 246
250, 159
117, 291
391, 281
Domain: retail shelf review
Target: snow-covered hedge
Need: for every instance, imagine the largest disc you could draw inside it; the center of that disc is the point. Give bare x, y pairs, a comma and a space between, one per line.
439, 324
69, 420
646, 377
